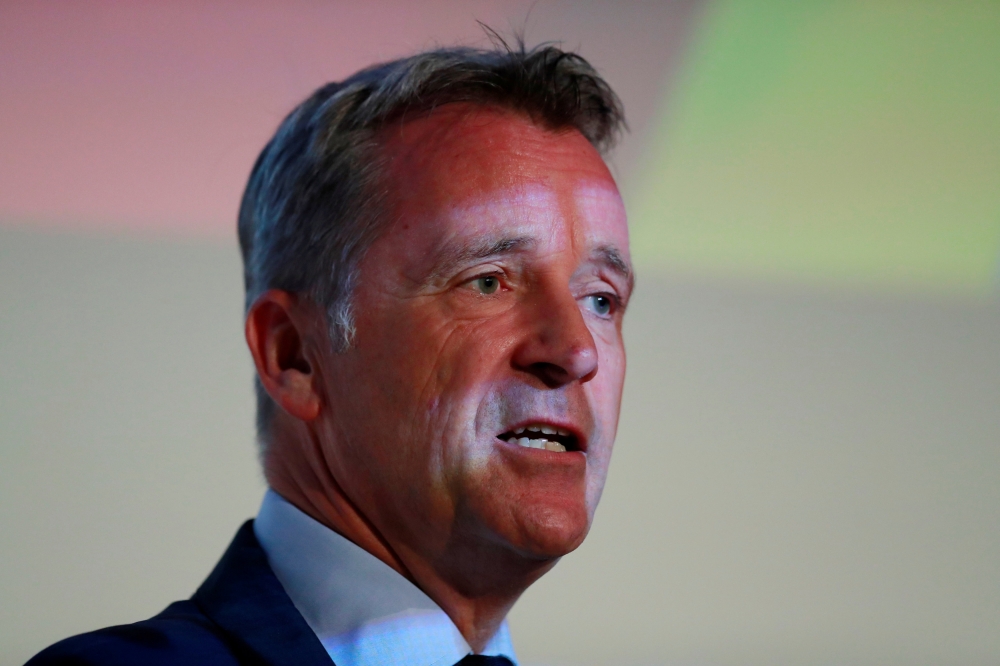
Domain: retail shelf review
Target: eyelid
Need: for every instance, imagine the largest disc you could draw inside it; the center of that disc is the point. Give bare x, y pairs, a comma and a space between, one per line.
618, 286
599, 284
471, 274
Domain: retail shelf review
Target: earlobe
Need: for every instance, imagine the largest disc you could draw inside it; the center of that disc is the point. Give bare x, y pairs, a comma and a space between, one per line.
276, 341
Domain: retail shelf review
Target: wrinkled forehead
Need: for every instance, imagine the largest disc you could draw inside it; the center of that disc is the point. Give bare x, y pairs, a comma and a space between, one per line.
586, 214
460, 152
466, 169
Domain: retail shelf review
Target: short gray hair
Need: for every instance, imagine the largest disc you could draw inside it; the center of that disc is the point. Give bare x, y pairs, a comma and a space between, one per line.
315, 201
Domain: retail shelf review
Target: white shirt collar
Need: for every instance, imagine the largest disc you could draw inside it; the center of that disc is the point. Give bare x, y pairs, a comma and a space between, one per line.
363, 611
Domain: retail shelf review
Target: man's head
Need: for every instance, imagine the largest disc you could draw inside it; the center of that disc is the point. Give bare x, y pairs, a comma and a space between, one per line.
437, 268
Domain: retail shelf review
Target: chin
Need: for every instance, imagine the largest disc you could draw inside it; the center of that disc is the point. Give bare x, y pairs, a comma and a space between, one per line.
547, 532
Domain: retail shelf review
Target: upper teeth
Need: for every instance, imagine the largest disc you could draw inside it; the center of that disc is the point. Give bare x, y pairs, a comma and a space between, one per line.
539, 443
544, 429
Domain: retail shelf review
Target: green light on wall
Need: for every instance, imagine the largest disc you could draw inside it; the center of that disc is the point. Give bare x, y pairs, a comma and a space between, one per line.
855, 142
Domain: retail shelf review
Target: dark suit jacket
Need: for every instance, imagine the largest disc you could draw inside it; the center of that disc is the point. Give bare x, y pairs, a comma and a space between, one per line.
239, 615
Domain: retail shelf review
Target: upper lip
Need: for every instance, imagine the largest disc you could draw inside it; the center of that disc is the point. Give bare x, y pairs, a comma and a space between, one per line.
576, 440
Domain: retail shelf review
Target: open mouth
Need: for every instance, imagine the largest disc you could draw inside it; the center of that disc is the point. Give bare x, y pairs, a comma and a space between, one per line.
541, 436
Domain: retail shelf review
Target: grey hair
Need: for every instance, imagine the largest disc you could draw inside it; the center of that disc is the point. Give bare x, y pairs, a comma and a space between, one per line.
314, 202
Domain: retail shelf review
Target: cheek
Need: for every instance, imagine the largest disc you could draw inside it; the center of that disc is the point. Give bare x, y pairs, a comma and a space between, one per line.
607, 386
425, 373
605, 393
473, 361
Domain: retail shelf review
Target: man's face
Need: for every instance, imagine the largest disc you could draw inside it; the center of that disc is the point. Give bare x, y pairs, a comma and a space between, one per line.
489, 316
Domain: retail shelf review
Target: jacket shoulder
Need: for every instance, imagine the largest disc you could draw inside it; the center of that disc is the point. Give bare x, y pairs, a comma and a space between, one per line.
181, 634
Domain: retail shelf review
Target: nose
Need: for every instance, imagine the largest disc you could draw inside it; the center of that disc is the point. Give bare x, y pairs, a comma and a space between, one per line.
559, 347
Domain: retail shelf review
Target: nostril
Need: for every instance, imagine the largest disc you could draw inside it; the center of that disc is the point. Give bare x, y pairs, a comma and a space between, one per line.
555, 375
551, 374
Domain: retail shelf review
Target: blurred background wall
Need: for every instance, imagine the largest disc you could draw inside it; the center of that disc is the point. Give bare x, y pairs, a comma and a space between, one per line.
808, 465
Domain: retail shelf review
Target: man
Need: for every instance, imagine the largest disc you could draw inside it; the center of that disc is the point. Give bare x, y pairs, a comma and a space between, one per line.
436, 264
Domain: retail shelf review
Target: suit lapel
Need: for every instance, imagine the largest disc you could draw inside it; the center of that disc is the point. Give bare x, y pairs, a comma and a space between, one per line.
243, 596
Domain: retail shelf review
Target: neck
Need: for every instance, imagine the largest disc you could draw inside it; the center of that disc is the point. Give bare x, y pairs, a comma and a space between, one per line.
475, 584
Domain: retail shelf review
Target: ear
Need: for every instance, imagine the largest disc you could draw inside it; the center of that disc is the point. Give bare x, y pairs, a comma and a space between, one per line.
275, 330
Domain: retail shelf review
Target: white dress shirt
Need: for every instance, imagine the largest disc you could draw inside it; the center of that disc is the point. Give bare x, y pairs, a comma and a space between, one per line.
363, 611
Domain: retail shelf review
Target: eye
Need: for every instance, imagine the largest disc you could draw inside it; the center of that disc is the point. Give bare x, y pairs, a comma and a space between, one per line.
599, 304
487, 284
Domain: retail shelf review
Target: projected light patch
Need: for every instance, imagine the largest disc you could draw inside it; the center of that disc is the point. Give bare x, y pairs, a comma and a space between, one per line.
854, 142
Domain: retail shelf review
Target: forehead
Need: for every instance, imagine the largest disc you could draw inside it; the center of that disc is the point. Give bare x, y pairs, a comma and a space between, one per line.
473, 168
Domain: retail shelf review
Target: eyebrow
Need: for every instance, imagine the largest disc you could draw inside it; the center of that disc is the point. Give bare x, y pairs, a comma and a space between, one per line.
453, 256
611, 257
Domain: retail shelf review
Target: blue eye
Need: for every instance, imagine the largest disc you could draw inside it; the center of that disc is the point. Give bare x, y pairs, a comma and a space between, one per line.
488, 284
599, 304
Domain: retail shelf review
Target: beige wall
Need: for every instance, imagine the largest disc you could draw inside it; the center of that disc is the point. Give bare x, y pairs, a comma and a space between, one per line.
802, 476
